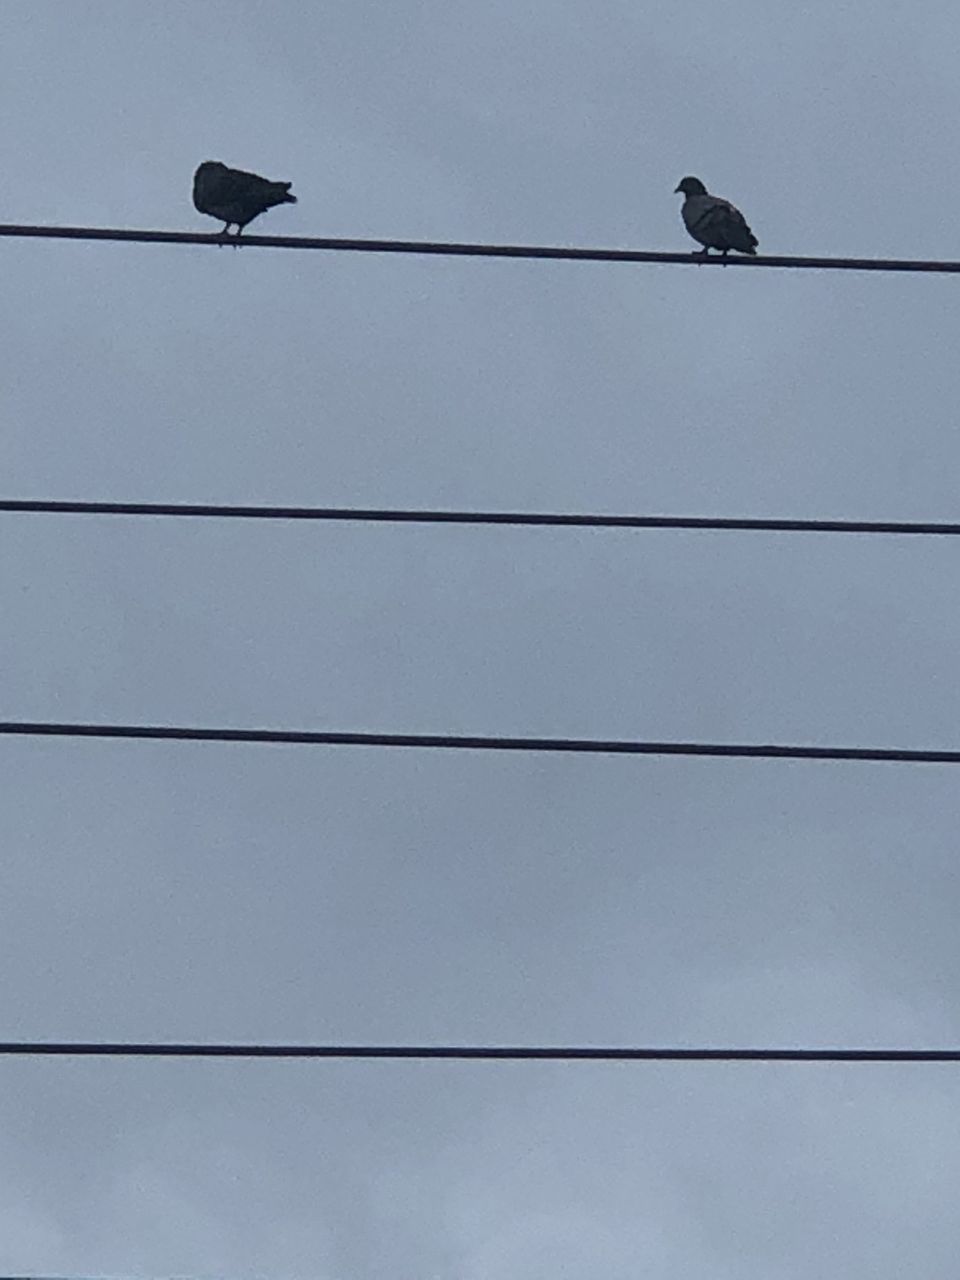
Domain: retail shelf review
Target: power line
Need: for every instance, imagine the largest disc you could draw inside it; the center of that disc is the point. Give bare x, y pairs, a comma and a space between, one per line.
455, 742
483, 1053
468, 250
222, 511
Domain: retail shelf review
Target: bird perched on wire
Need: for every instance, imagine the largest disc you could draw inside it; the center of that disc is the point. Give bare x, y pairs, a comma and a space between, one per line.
235, 196
714, 223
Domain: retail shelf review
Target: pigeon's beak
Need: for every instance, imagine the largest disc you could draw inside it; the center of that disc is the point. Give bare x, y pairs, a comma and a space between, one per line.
676, 191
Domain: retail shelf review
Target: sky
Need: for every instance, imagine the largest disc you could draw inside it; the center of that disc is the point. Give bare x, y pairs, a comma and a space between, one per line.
201, 891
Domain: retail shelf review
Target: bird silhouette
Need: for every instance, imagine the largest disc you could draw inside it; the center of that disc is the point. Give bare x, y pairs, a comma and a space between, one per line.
235, 196
713, 222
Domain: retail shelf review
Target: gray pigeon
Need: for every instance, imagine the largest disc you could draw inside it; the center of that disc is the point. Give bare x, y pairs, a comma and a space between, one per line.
713, 222
235, 196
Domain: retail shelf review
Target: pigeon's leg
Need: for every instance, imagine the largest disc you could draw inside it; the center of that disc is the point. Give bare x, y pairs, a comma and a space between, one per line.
702, 253
225, 237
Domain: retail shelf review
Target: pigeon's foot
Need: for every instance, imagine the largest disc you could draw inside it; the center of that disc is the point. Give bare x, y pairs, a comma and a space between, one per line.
224, 236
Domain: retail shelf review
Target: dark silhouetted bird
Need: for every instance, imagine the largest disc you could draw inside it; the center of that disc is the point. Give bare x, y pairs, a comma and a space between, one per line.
235, 196
714, 223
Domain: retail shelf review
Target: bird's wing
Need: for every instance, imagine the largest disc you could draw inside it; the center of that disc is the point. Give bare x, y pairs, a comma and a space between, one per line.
236, 184
733, 215
717, 223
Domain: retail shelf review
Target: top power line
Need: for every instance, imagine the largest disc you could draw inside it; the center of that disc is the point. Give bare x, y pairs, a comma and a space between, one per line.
455, 249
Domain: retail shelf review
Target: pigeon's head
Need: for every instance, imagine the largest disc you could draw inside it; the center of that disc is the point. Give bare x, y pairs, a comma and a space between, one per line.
691, 187
209, 168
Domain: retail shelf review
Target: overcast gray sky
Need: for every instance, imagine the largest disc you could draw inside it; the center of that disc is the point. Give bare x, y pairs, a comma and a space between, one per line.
180, 891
